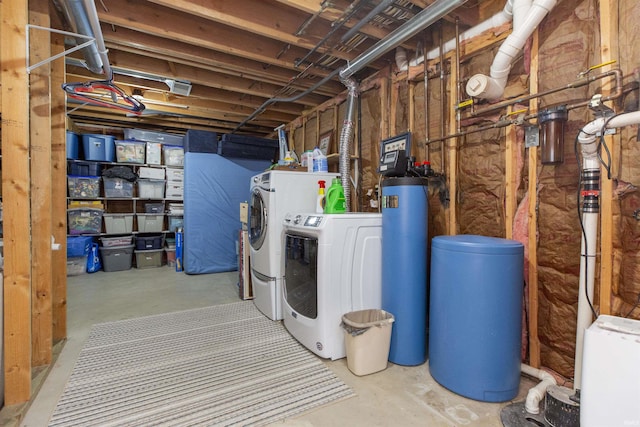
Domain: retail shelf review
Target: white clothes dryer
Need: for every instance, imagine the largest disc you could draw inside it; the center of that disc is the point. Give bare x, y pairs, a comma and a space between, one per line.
273, 194
332, 267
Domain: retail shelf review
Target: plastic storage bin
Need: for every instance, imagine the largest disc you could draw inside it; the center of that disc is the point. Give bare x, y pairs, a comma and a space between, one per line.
116, 258
475, 315
149, 259
78, 245
117, 187
150, 136
111, 242
175, 222
151, 188
154, 153
99, 147
367, 335
153, 173
84, 220
72, 145
144, 243
150, 223
173, 155
154, 208
171, 257
85, 168
175, 190
118, 223
176, 175
76, 265
130, 151
83, 186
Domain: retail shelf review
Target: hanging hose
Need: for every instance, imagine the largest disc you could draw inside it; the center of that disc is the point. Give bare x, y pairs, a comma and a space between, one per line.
345, 140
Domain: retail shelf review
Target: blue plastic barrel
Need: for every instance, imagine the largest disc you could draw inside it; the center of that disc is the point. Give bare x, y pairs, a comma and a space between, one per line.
404, 266
475, 315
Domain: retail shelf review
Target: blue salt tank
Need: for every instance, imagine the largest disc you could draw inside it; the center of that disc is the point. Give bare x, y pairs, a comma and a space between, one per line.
404, 266
475, 315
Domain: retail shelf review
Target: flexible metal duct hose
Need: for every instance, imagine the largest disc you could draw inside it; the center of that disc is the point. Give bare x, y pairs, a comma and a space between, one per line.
345, 140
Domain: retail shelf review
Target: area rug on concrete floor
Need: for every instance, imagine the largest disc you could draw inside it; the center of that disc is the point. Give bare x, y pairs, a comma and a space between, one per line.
220, 365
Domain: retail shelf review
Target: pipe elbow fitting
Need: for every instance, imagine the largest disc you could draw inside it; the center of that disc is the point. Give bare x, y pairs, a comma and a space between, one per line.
401, 58
485, 87
532, 402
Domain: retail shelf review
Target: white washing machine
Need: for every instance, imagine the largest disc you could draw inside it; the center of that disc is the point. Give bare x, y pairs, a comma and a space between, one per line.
273, 194
332, 267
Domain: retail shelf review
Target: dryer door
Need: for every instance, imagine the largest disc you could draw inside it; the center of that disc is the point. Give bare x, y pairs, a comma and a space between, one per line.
301, 274
257, 219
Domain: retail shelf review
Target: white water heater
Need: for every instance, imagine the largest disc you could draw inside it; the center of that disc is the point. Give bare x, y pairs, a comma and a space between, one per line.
610, 395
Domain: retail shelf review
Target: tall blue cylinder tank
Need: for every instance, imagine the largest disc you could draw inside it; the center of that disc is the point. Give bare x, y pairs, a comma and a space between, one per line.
475, 315
404, 266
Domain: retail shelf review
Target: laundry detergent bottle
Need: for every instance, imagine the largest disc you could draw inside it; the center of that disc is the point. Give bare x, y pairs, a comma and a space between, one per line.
334, 199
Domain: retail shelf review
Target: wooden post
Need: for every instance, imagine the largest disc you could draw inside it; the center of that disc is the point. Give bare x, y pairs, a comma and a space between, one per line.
412, 106
452, 153
608, 51
511, 186
393, 106
40, 153
15, 197
532, 231
58, 192
384, 108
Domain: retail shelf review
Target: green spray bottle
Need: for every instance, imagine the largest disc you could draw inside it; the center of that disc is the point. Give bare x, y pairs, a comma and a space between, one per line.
334, 199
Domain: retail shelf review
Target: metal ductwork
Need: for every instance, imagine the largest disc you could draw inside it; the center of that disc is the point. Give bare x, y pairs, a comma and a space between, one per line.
83, 19
422, 20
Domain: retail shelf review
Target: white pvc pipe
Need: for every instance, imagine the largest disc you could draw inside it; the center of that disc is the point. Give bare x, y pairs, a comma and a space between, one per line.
495, 21
589, 147
492, 87
586, 286
536, 394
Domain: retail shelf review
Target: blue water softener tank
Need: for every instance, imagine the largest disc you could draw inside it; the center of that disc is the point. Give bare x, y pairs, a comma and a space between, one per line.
475, 315
404, 266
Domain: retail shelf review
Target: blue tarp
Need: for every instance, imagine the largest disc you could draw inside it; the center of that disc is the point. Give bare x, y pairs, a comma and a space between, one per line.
214, 187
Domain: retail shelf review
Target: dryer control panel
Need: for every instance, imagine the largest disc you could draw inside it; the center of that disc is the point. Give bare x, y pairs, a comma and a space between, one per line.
303, 220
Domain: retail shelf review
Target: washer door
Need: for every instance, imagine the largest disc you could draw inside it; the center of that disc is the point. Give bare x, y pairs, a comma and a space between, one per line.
257, 219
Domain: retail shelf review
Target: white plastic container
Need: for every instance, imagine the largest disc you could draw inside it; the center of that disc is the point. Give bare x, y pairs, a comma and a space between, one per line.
320, 162
151, 173
151, 188
154, 153
610, 390
117, 223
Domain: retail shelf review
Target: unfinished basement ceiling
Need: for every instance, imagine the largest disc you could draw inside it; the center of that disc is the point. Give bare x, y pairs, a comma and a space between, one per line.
233, 55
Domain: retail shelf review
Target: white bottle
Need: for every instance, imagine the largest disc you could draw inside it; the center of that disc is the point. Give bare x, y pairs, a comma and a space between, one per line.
320, 163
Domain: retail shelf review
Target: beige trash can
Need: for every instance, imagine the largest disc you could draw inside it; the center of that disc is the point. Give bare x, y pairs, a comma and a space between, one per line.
367, 335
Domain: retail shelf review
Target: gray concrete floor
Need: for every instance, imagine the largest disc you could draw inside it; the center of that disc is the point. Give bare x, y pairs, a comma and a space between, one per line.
397, 396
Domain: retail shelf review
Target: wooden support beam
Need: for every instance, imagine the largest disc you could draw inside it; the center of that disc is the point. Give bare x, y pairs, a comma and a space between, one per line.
40, 154
384, 108
412, 107
15, 196
58, 192
532, 224
452, 153
393, 106
511, 186
608, 51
